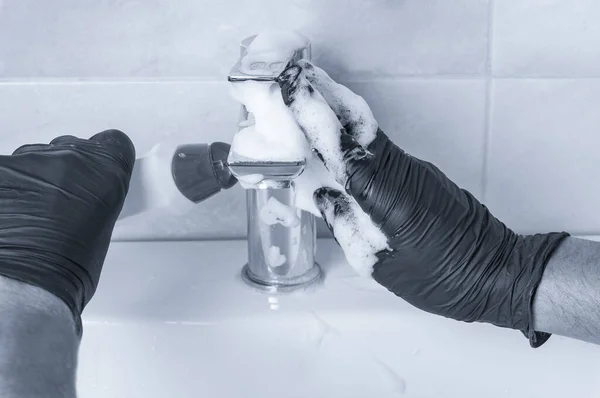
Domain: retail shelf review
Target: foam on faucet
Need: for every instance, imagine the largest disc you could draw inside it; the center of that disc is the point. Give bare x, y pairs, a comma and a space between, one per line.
282, 41
275, 212
269, 50
275, 135
271, 132
274, 257
250, 181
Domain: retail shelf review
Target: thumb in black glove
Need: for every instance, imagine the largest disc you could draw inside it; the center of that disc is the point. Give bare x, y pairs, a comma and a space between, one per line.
403, 221
58, 207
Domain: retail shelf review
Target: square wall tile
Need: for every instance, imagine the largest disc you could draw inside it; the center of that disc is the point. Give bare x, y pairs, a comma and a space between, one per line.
147, 112
200, 38
441, 121
543, 163
546, 38
366, 39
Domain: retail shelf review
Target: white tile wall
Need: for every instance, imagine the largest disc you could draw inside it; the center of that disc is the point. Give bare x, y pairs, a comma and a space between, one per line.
544, 168
558, 38
499, 94
200, 38
438, 119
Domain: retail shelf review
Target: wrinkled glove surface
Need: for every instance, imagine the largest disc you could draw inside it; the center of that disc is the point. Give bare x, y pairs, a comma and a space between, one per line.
58, 207
442, 251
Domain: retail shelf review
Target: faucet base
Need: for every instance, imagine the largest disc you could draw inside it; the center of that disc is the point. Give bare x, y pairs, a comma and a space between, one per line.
315, 274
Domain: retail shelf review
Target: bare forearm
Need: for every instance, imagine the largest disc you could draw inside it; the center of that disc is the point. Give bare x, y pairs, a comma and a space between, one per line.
567, 301
38, 343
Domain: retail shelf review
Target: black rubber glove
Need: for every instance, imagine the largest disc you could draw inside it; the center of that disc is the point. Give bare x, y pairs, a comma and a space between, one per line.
58, 207
446, 253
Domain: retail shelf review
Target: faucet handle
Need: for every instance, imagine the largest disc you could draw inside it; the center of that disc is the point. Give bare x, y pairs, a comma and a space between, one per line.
200, 170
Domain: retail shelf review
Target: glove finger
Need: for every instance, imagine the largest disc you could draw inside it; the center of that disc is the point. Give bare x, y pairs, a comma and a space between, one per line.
69, 140
118, 145
354, 113
29, 148
320, 125
352, 228
65, 140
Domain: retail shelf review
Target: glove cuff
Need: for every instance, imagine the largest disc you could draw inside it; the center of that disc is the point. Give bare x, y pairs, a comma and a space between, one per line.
534, 253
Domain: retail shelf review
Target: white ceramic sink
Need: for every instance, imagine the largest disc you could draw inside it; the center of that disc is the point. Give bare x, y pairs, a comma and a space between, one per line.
175, 320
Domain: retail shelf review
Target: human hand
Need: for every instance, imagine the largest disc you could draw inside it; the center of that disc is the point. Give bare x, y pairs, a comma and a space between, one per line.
401, 220
58, 207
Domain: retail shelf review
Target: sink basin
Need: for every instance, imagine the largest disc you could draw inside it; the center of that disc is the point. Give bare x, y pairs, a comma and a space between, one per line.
174, 319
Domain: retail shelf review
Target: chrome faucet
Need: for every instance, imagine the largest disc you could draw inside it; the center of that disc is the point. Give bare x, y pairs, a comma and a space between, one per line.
174, 176
281, 253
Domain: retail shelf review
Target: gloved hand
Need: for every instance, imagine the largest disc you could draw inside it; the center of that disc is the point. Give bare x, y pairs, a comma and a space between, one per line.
58, 207
403, 221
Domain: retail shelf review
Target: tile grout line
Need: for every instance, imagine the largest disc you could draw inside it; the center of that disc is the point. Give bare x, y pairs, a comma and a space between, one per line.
183, 79
487, 126
399, 78
98, 81
547, 77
